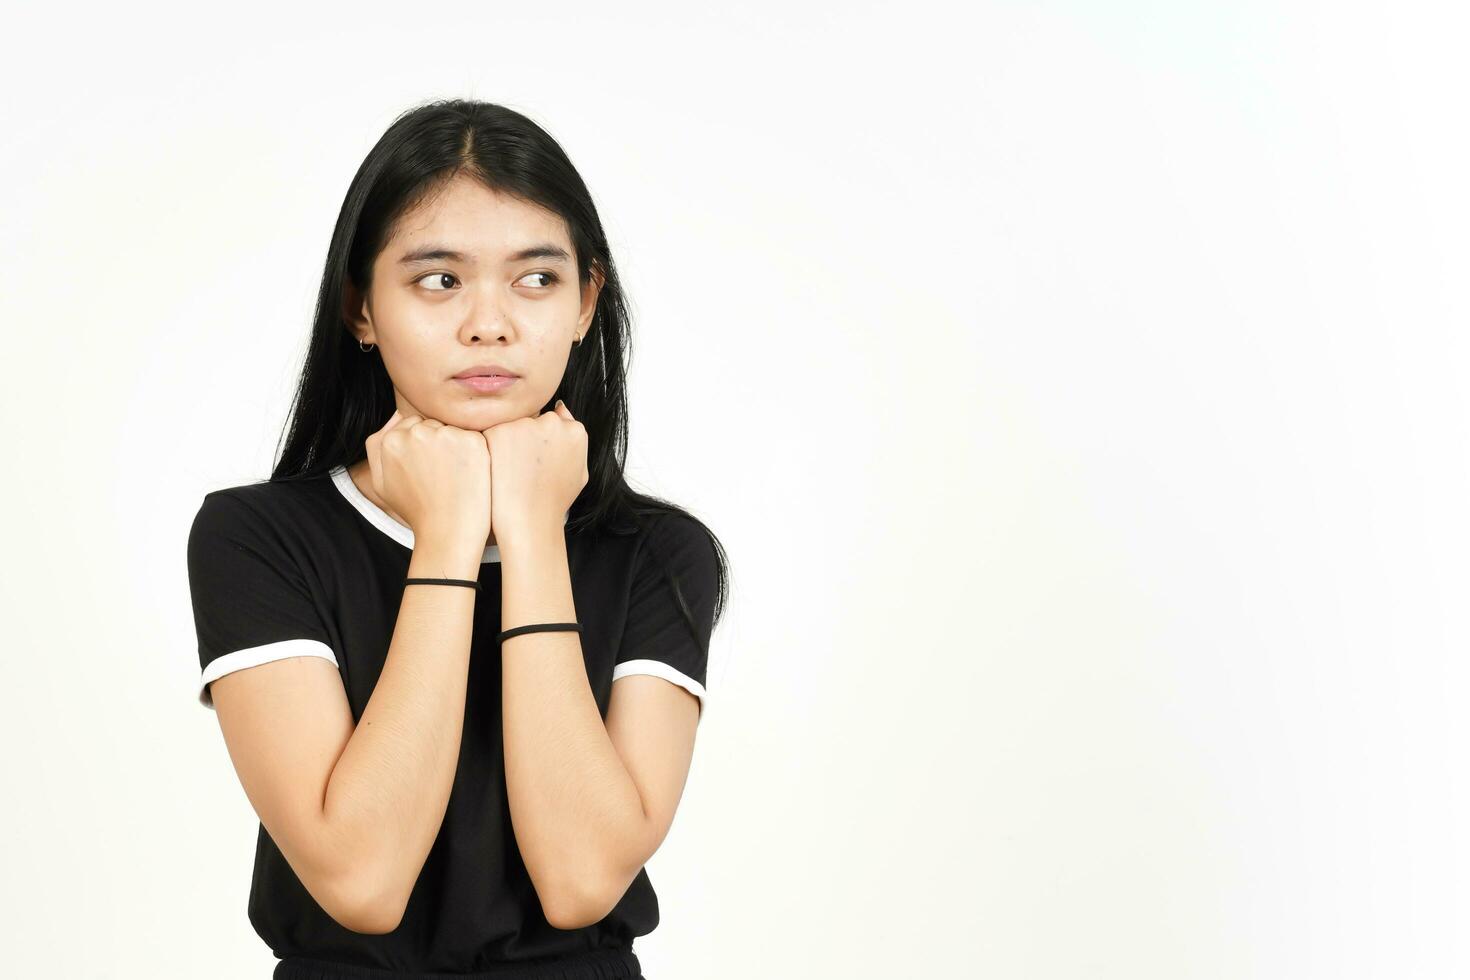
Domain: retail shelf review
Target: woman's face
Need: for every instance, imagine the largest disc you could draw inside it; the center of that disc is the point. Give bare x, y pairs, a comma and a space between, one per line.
434, 316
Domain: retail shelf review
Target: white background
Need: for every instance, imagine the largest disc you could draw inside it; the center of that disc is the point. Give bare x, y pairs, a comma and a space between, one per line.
1076, 387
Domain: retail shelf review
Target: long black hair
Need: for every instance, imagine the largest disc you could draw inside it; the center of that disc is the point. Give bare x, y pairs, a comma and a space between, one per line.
344, 395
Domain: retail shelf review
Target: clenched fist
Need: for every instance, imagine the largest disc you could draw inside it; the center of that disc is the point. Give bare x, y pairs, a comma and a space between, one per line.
538, 466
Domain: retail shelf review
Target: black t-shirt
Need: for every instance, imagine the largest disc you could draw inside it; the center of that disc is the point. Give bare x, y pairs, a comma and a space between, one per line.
313, 568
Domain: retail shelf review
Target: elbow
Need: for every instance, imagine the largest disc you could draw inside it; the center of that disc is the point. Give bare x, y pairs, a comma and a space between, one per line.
364, 907
572, 914
580, 900
374, 920
576, 904
353, 879
586, 890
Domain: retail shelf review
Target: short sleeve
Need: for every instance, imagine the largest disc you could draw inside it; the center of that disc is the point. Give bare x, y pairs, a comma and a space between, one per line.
251, 604
657, 639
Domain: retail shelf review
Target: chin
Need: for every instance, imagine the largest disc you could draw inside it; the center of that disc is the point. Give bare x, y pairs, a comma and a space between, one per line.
478, 419
486, 412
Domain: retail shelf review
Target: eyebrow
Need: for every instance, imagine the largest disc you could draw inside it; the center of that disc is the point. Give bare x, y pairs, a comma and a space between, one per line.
438, 253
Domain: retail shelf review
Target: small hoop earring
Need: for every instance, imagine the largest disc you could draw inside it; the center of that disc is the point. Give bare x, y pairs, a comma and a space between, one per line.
576, 341
367, 348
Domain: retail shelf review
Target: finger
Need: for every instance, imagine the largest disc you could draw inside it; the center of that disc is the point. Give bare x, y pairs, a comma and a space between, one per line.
563, 411
374, 446
374, 441
373, 455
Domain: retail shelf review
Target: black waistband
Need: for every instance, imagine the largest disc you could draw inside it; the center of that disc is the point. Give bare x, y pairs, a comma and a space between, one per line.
602, 964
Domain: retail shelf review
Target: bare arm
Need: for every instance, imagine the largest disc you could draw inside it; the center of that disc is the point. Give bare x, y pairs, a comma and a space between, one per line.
389, 790
356, 810
579, 820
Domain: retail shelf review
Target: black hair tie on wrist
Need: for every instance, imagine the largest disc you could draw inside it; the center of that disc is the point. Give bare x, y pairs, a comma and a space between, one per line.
443, 581
537, 628
504, 634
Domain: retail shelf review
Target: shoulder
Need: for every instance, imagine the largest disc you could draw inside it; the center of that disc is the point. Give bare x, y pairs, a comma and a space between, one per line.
675, 536
270, 496
271, 508
676, 551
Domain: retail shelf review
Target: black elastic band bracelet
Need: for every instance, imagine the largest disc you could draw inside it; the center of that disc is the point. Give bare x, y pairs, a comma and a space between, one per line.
443, 581
537, 628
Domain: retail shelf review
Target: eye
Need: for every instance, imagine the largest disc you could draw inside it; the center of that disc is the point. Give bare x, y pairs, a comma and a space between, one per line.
550, 276
436, 275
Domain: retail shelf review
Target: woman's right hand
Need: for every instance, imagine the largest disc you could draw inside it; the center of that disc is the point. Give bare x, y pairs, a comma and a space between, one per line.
436, 476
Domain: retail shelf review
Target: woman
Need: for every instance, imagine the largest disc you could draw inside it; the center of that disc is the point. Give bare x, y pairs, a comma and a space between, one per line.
457, 661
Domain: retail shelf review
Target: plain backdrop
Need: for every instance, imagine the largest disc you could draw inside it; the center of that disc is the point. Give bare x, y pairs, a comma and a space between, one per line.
1078, 389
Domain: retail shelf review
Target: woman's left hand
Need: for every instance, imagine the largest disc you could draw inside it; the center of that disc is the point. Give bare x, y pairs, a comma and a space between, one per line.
538, 466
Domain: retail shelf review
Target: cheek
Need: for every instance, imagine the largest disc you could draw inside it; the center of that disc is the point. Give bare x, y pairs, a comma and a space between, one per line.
414, 362
547, 355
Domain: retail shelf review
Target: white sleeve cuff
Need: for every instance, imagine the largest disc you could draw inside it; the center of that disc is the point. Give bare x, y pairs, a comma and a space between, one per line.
660, 669
255, 656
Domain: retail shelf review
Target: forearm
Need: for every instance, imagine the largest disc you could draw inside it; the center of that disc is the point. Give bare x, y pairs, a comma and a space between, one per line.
575, 809
388, 793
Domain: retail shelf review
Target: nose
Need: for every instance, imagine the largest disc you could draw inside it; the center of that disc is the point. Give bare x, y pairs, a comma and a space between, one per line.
485, 319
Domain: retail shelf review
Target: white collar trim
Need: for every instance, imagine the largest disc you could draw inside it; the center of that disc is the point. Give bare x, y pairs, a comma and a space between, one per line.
379, 518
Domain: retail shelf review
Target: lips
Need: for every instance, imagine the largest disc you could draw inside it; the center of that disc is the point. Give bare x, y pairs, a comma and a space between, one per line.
486, 371
487, 382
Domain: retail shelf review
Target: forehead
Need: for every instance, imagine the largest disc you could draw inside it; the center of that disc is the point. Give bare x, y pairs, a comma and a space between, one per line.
471, 217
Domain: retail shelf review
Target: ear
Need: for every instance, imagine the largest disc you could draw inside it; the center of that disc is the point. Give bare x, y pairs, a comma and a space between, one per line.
590, 292
355, 313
